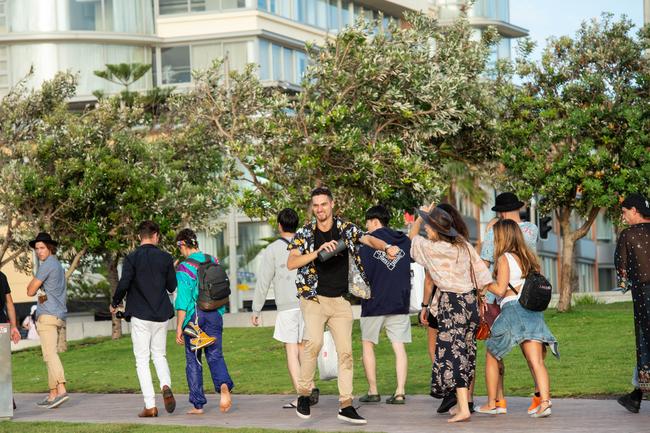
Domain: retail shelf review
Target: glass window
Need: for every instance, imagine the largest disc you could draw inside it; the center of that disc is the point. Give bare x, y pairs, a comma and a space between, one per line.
276, 58
262, 5
301, 10
346, 13
503, 10
284, 8
604, 228
204, 55
237, 53
606, 279
85, 15
128, 16
175, 65
321, 13
288, 69
301, 65
333, 15
265, 60
168, 7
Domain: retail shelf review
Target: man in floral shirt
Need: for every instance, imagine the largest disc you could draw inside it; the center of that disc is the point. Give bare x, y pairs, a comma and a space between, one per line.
321, 288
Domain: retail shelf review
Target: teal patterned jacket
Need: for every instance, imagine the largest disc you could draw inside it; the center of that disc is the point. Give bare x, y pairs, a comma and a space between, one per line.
304, 241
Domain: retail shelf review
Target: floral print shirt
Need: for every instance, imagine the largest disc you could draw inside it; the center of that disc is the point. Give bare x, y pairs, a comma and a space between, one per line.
304, 241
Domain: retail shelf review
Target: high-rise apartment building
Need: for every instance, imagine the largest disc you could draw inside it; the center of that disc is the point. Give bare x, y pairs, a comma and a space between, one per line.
178, 36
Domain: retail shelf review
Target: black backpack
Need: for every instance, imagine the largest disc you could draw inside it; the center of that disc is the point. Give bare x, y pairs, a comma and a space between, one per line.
536, 292
214, 284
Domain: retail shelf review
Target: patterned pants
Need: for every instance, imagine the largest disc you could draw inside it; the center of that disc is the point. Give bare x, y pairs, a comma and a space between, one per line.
641, 298
455, 362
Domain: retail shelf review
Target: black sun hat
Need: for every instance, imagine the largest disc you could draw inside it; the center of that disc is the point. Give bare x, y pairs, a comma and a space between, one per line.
440, 221
507, 201
43, 237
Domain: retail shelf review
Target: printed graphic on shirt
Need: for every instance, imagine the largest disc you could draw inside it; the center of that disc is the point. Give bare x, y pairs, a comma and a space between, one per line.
390, 264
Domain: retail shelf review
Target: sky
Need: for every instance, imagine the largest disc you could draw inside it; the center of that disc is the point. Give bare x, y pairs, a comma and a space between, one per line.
545, 18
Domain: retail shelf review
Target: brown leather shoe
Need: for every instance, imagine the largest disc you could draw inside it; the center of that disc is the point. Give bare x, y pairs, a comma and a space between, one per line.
149, 413
168, 398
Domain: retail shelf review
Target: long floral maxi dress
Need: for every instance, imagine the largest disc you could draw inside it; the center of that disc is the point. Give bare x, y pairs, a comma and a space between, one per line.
633, 271
455, 361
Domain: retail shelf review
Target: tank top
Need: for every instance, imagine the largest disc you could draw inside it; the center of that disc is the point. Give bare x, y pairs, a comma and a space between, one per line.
515, 278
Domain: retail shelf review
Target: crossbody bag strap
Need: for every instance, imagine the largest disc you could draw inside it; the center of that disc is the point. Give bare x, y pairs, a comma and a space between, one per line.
513, 289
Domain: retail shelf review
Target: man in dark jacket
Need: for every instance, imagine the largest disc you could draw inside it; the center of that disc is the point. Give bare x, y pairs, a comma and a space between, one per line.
148, 277
390, 284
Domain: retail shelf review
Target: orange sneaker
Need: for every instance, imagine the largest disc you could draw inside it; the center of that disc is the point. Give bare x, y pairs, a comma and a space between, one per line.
501, 406
535, 403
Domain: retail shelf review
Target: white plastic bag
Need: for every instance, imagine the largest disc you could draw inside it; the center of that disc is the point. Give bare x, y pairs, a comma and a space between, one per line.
328, 361
417, 287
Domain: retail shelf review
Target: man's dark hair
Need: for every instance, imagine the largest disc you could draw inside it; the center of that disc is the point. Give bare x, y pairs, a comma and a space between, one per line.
322, 190
379, 212
147, 229
288, 220
188, 237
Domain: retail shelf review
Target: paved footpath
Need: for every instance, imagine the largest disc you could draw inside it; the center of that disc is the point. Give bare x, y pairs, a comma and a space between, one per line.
417, 416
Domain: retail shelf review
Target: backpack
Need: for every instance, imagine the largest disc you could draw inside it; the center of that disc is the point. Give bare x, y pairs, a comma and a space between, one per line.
536, 292
213, 282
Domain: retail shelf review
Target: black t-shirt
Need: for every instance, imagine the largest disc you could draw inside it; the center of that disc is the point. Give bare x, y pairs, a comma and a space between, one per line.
4, 291
333, 273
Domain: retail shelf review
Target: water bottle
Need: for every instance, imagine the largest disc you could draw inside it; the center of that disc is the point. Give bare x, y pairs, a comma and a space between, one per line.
326, 255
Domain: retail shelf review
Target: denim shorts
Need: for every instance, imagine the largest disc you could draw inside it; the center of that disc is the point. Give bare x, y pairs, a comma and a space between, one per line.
515, 325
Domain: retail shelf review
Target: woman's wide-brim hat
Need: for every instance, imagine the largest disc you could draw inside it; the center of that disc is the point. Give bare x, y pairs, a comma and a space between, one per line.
440, 221
43, 237
506, 202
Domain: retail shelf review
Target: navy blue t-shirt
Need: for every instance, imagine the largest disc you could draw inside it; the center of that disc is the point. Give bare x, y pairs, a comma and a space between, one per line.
390, 280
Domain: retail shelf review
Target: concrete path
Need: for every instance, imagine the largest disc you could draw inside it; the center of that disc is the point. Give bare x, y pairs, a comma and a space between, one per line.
417, 416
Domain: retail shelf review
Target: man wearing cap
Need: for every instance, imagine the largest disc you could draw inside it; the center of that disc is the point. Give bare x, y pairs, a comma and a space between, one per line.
632, 259
507, 206
50, 285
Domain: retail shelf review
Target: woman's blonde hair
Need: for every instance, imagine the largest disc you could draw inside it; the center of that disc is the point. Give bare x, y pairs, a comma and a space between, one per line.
508, 238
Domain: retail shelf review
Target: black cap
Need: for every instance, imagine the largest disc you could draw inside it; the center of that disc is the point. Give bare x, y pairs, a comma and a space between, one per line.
638, 201
507, 201
43, 237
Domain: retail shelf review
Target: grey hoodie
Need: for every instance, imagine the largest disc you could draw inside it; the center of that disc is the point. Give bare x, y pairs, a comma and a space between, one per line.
273, 272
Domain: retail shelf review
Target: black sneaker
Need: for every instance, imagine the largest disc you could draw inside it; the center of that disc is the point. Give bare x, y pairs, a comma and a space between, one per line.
447, 403
302, 408
349, 414
313, 398
471, 407
629, 403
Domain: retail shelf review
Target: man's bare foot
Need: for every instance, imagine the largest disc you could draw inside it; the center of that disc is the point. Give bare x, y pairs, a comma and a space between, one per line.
195, 411
226, 401
460, 417
453, 411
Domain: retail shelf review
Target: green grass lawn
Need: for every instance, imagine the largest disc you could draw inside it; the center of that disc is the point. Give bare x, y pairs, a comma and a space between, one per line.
62, 427
596, 345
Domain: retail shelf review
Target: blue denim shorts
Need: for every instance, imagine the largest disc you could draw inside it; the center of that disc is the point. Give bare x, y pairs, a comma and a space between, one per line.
515, 325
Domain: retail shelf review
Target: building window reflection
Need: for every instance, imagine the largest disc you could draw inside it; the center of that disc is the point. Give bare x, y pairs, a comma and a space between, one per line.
278, 63
123, 16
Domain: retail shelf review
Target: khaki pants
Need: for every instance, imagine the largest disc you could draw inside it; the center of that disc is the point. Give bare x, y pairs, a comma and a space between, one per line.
49, 329
336, 313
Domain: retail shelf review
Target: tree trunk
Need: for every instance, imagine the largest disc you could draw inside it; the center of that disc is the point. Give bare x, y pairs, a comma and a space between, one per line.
566, 260
569, 239
111, 261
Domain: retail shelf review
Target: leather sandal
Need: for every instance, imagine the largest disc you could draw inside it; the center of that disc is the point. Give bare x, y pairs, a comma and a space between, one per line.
396, 399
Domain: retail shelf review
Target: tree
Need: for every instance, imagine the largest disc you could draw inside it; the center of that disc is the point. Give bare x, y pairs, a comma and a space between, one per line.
23, 114
576, 130
89, 178
379, 113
